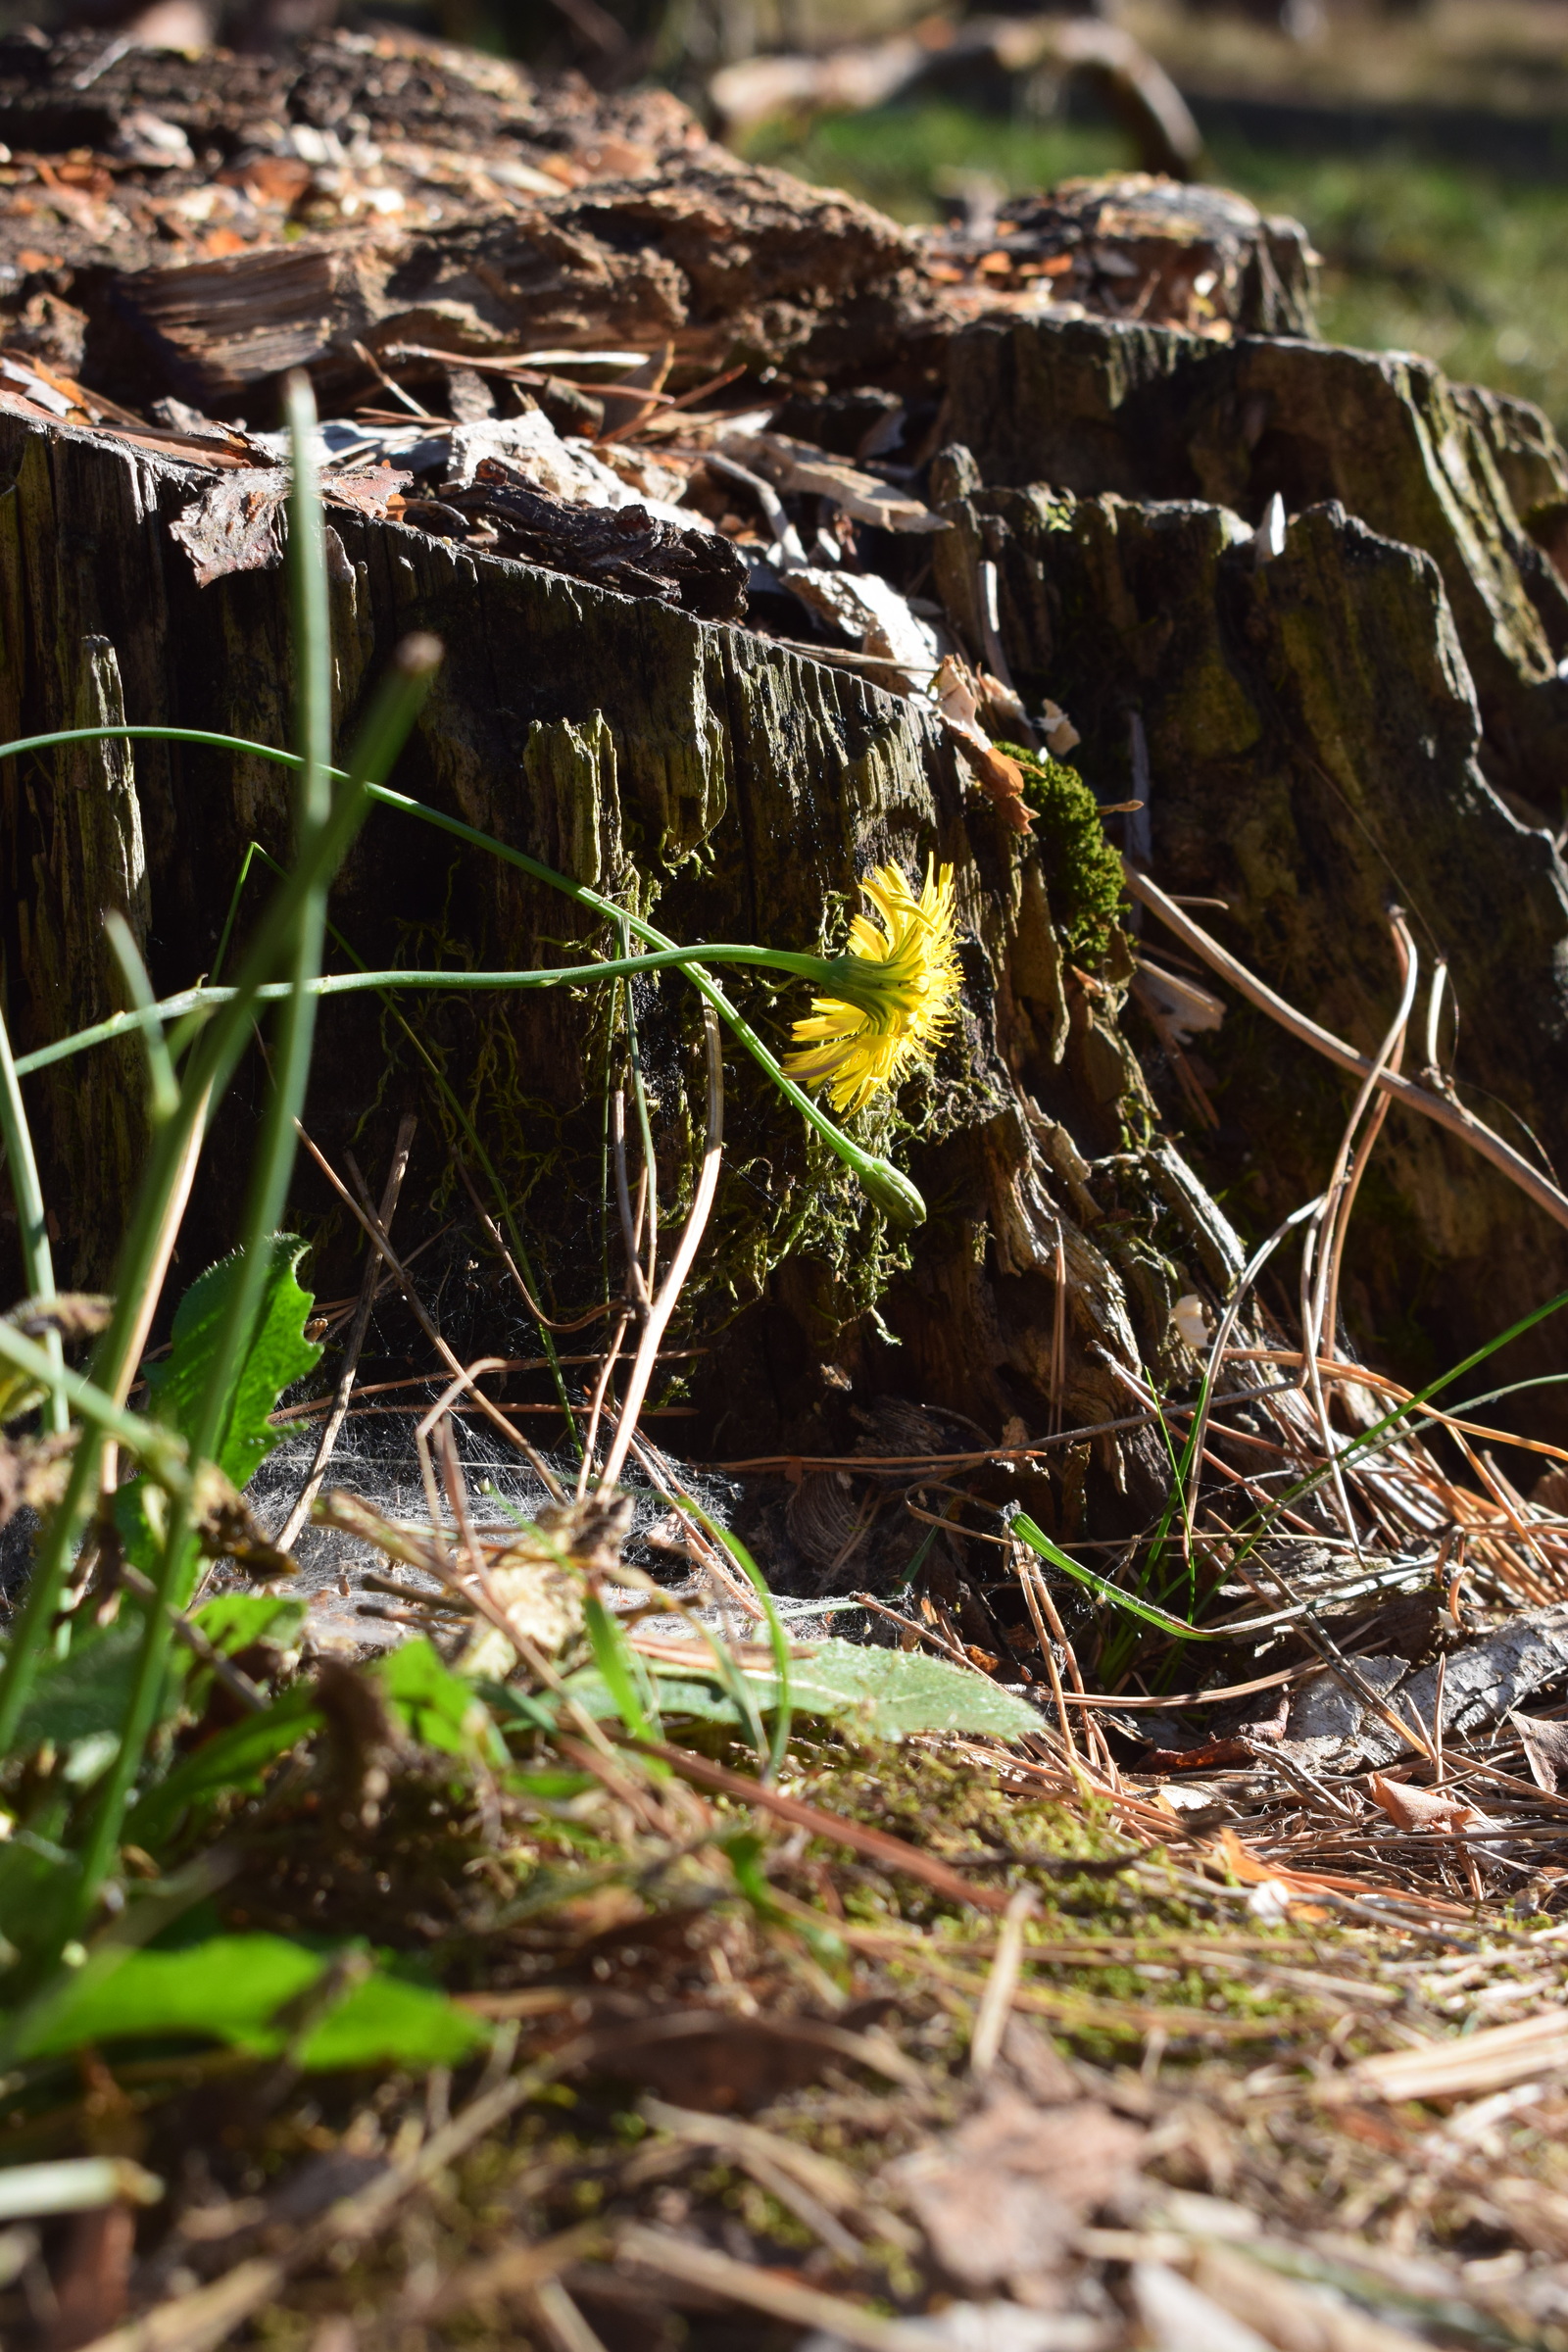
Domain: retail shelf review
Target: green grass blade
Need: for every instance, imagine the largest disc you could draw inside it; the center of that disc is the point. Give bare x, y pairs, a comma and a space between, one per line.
777, 1638
613, 1657
163, 1085
146, 1441
1024, 1528
32, 1222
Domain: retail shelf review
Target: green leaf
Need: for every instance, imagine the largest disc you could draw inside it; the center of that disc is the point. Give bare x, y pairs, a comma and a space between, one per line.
618, 1667
230, 1988
707, 1701
897, 1691
234, 1620
435, 1706
38, 1885
85, 1692
891, 1692
385, 2022
1025, 1529
235, 1758
278, 1355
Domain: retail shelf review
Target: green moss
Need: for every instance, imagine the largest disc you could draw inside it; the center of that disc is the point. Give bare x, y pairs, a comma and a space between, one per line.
1083, 872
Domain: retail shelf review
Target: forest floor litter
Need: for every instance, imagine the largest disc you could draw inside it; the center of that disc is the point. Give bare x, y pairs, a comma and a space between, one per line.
993, 1925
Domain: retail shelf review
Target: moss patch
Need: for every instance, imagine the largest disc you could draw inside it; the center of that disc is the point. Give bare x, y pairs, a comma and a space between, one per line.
1083, 872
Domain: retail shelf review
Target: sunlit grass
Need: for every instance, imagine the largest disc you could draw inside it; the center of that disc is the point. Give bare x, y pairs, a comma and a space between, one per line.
1454, 262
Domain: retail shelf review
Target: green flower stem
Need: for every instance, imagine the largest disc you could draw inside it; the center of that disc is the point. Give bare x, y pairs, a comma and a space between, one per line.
348, 984
886, 1184
37, 1263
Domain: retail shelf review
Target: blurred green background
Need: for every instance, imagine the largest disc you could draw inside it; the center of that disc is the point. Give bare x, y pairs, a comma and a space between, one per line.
1464, 264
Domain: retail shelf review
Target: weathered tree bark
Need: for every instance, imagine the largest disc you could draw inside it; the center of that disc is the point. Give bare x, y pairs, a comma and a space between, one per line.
1317, 735
1094, 405
1363, 717
735, 789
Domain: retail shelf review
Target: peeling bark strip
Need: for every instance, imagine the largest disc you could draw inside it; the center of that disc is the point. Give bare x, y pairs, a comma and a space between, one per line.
235, 526
625, 547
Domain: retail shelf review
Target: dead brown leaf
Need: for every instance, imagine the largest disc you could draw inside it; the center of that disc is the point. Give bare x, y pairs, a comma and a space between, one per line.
1545, 1746
1001, 2198
1422, 1808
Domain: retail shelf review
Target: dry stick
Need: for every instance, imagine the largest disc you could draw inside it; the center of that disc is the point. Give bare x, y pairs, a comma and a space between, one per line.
1364, 1377
1342, 1182
782, 2296
1437, 1107
996, 2002
237, 1683
638, 1300
925, 1633
1338, 1202
431, 1421
709, 1557
596, 1403
544, 1321
664, 1306
1329, 1314
416, 1305
631, 1225
1096, 1736
354, 1341
1311, 1626
560, 2320
480, 1591
1059, 1337
1023, 1565
1534, 1590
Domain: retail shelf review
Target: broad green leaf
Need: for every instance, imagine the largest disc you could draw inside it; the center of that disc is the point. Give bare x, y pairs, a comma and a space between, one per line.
278, 1355
385, 2022
230, 1988
234, 1620
894, 1692
435, 1706
678, 1695
891, 1692
235, 1758
85, 1692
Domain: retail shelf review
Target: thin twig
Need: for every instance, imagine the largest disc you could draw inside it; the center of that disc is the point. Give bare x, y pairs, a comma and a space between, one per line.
544, 1321
996, 2002
354, 1342
1444, 1114
368, 1217
664, 1306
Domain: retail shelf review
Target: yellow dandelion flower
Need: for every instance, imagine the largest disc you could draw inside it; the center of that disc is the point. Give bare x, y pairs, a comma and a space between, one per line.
894, 990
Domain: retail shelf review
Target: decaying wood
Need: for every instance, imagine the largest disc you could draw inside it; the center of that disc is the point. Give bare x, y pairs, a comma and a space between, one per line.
624, 548
1353, 721
1138, 247
570, 718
